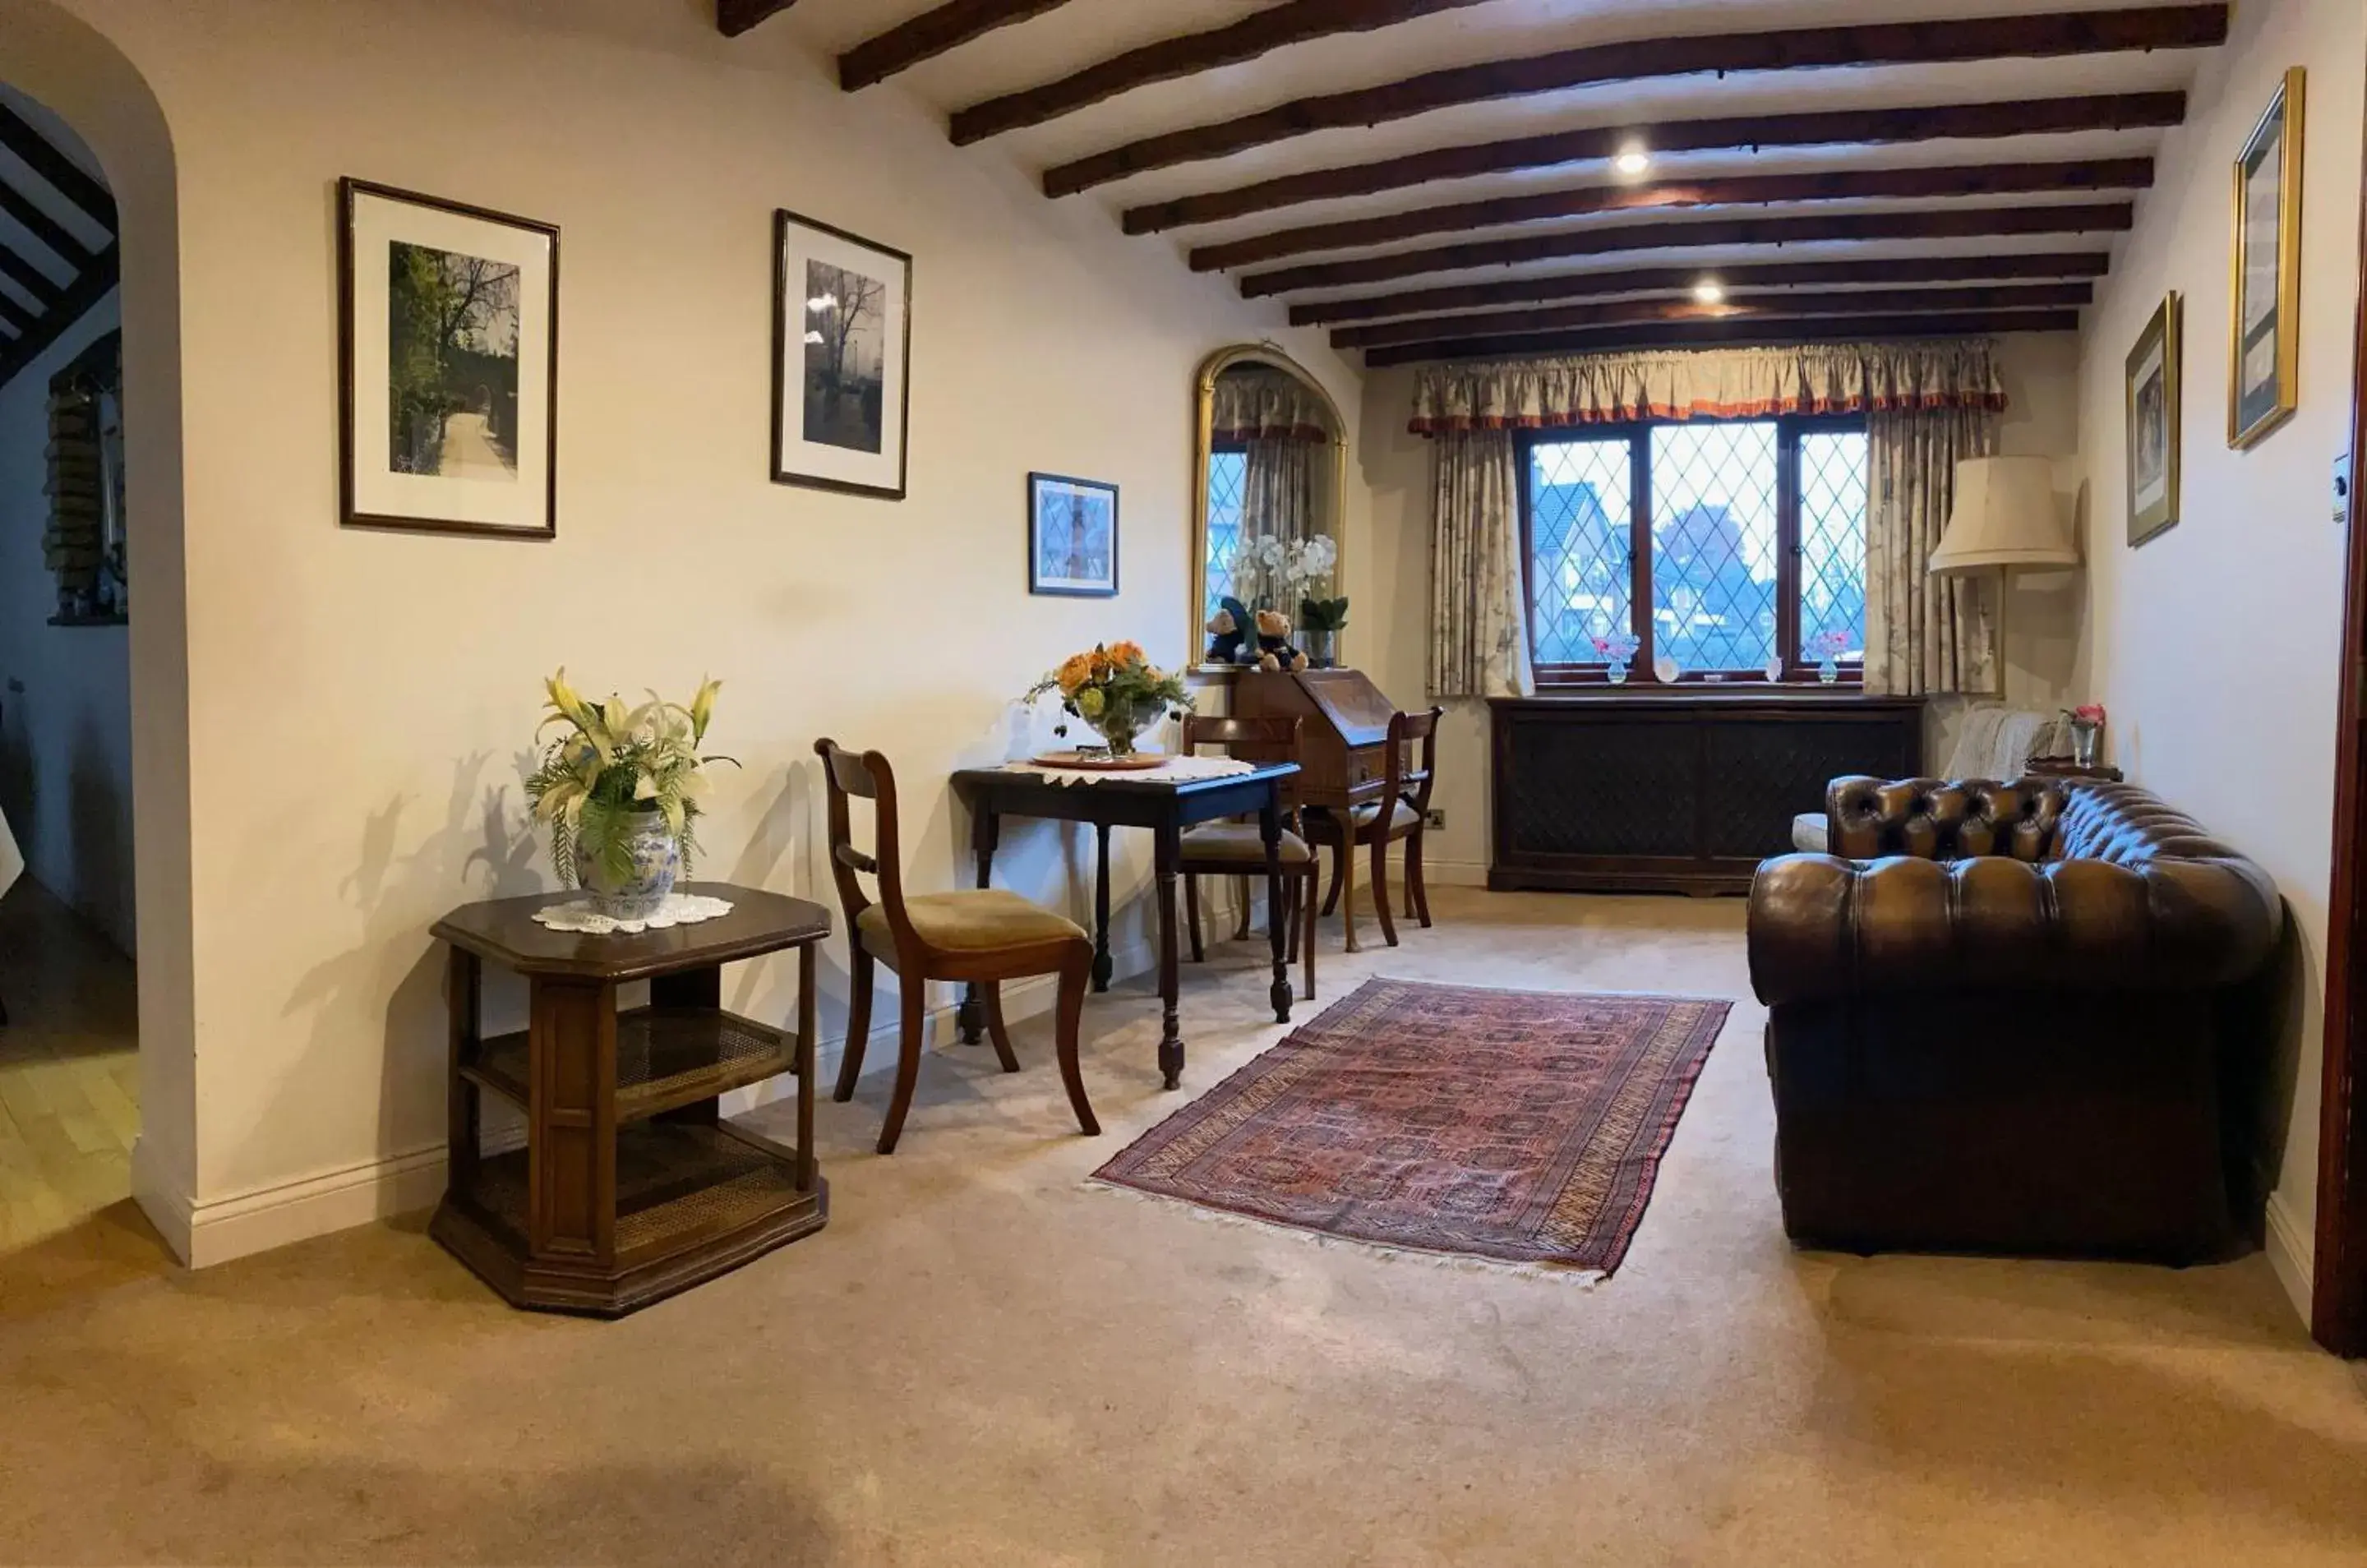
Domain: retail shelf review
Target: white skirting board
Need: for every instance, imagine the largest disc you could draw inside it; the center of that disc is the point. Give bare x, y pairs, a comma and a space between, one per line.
259, 1219
2293, 1252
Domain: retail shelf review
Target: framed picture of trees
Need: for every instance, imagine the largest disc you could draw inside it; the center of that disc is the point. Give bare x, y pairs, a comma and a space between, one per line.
448, 364
841, 349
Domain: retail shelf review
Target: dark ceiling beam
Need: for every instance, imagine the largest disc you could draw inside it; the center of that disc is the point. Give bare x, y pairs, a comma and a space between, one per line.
930, 34
2038, 116
1753, 307
70, 307
1671, 279
1886, 43
44, 288
1832, 184
1669, 334
44, 228
1946, 223
1255, 34
67, 178
736, 16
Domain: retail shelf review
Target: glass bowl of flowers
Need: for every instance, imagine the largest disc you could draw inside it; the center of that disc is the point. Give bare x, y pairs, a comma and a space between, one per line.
1116, 690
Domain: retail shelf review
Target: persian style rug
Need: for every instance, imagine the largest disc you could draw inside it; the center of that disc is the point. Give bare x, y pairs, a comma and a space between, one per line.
1524, 1127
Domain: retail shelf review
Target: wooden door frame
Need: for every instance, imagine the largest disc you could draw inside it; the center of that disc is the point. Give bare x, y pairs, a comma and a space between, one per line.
2339, 1274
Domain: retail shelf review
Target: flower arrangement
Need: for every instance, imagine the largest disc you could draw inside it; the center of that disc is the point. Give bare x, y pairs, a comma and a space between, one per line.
2086, 723
1293, 568
613, 767
1115, 689
1830, 643
1617, 648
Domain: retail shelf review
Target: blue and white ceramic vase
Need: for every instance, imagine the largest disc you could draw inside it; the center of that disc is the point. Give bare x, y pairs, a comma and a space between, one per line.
657, 861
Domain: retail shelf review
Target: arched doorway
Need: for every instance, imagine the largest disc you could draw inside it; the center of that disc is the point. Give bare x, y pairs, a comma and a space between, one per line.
53, 57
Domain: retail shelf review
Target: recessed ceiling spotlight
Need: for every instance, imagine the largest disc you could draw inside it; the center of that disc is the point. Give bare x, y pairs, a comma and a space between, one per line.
1632, 161
1710, 291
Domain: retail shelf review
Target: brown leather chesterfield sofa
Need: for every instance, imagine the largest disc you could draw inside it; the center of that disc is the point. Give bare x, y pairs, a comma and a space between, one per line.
2010, 1018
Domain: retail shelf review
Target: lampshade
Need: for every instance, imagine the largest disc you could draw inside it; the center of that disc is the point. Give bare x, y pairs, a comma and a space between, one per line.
2005, 515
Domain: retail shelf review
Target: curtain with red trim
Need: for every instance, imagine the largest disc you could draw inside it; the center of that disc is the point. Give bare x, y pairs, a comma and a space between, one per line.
1737, 383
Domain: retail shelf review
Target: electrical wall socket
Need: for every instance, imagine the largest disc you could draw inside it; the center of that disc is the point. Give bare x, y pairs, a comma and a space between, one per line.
1436, 817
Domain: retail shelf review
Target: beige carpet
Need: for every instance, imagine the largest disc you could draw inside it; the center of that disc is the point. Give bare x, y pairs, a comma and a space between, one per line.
981, 1361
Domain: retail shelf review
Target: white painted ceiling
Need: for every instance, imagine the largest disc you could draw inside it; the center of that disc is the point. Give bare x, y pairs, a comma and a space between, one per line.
1083, 32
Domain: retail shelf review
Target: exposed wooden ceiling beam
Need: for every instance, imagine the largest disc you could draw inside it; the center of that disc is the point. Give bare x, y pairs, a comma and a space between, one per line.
30, 278
1852, 127
930, 34
1667, 334
70, 307
1944, 223
1885, 43
44, 228
1255, 34
1832, 184
1667, 280
736, 16
66, 177
1752, 307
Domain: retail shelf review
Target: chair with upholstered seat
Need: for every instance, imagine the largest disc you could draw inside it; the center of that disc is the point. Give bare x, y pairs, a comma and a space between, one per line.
1237, 849
1405, 796
987, 936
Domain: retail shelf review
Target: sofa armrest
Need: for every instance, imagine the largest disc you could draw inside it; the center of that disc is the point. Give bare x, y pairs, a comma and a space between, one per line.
1822, 927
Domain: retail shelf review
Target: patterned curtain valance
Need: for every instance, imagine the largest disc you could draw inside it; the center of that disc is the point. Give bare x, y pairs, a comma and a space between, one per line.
1256, 404
1613, 388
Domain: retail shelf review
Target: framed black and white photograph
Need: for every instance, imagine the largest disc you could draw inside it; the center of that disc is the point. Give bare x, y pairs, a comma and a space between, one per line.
2264, 355
2155, 418
448, 373
842, 352
1071, 536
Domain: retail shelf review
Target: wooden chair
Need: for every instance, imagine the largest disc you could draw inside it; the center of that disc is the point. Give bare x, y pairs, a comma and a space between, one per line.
1237, 849
1401, 812
988, 936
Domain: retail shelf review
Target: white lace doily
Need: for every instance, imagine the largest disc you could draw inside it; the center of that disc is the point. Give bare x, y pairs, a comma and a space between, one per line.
679, 909
1173, 770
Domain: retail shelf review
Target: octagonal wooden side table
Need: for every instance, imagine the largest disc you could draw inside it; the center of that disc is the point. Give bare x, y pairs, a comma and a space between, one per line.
631, 1186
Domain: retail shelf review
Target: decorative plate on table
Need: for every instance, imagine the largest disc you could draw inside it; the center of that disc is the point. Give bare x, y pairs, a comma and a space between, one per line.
1100, 761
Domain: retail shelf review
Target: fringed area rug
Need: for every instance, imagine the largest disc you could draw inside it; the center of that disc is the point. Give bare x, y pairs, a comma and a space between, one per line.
1524, 1127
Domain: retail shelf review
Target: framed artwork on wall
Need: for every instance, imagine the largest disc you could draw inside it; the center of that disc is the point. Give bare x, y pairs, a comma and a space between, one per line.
1071, 536
2264, 351
842, 354
447, 330
2154, 421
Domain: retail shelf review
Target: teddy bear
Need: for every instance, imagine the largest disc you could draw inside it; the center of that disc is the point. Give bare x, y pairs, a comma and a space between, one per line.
1229, 628
1274, 643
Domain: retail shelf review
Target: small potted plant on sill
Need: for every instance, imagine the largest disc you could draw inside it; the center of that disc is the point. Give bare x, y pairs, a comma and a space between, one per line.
620, 791
1828, 646
1615, 648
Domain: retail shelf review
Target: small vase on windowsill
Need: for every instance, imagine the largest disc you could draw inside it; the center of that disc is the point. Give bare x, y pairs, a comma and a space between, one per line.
1828, 670
1615, 648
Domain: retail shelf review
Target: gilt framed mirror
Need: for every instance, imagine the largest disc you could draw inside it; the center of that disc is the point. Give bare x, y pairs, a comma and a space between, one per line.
1269, 472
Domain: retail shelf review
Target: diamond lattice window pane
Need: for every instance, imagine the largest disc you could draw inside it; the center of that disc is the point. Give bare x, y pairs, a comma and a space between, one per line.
1833, 541
1581, 497
1227, 472
1713, 545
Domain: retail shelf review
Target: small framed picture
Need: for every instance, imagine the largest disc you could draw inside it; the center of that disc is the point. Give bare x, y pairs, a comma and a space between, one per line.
448, 364
1071, 536
2264, 353
2154, 421
842, 353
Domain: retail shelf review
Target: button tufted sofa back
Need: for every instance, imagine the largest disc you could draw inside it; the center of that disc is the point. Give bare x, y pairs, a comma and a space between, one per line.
1944, 820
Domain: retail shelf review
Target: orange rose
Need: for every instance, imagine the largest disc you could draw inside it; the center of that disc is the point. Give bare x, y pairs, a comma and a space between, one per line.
1074, 671
1125, 653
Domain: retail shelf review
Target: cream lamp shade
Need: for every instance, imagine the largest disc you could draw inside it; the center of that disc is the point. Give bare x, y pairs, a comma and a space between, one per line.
2005, 515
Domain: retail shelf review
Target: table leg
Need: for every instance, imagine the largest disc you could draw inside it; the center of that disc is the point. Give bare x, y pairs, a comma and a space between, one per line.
808, 1028
1171, 1034
464, 985
1102, 966
970, 1020
1270, 830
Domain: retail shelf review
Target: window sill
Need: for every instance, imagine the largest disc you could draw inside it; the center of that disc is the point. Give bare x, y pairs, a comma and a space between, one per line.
1793, 694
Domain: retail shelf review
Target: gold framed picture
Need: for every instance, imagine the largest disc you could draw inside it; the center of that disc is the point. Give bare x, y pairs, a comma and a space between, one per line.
2153, 417
2264, 345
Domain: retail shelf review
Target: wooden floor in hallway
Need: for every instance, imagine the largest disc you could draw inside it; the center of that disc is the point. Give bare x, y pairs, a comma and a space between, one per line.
69, 1098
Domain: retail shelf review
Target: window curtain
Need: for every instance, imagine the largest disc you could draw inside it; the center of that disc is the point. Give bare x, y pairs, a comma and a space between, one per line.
1250, 404
1924, 635
1277, 491
1478, 620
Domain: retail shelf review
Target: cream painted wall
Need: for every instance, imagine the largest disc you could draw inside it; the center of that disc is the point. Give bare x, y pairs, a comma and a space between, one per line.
65, 706
361, 703
2041, 386
2215, 643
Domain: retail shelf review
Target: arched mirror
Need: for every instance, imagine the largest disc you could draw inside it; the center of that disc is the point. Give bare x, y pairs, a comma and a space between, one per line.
1272, 468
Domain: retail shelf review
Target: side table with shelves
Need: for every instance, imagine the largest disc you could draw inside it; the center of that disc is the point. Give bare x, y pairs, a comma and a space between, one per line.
631, 1186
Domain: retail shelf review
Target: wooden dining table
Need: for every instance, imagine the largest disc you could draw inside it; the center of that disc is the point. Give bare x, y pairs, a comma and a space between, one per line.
1166, 806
